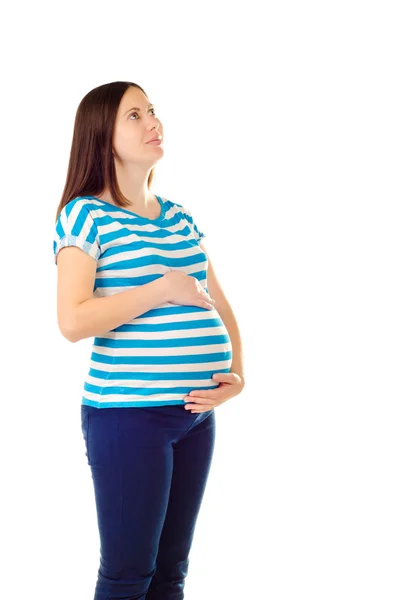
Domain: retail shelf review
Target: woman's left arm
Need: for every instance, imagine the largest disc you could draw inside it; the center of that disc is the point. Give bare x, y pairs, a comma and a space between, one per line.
226, 313
233, 382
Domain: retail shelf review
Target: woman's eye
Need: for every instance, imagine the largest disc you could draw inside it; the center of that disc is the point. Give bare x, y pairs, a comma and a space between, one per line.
135, 113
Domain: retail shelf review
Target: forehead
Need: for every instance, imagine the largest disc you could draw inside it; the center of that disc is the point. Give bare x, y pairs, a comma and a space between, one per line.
133, 97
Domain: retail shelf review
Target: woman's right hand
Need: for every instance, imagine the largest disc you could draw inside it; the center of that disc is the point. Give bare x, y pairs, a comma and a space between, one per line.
186, 290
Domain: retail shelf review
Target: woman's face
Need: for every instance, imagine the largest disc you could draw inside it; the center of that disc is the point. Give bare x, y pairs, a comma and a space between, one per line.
136, 124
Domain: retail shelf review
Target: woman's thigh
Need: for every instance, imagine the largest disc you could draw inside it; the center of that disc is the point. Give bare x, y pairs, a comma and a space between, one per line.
193, 455
192, 459
131, 465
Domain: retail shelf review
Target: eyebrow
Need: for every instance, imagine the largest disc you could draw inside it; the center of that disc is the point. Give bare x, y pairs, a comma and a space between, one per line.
137, 108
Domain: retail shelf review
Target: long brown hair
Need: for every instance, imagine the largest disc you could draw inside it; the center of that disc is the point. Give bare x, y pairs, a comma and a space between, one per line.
91, 163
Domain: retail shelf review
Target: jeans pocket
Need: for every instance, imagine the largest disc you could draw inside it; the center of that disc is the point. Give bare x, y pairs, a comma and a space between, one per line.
85, 421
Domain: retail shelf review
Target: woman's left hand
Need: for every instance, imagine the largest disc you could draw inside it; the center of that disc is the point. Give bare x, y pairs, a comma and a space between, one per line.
230, 385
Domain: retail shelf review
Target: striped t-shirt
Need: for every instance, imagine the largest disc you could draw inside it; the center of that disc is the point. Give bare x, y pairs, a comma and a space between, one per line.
161, 355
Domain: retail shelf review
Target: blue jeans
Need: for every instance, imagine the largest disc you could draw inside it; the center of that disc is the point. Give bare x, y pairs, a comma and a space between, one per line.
149, 467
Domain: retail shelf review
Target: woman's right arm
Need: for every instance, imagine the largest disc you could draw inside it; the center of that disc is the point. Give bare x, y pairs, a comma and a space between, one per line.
80, 315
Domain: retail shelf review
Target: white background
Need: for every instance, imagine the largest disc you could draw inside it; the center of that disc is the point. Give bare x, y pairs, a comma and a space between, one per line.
280, 136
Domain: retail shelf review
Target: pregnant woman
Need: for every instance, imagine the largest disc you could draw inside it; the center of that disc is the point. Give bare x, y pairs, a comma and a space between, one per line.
133, 273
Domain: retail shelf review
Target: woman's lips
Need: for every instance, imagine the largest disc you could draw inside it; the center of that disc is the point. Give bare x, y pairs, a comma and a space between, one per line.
156, 142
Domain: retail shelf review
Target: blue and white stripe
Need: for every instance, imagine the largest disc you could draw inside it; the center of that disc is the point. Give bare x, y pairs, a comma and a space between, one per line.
159, 357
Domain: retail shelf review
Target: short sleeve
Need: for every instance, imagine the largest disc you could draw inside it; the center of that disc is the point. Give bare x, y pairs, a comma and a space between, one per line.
198, 234
76, 227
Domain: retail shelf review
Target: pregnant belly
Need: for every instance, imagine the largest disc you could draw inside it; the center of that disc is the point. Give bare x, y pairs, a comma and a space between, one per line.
163, 354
